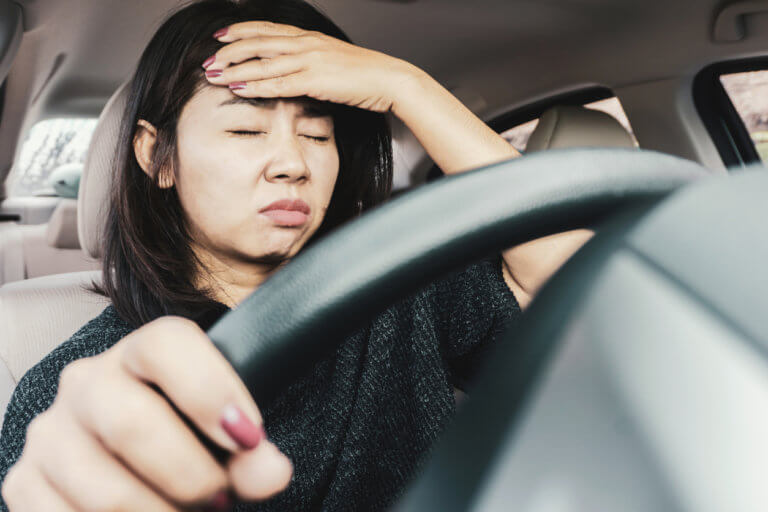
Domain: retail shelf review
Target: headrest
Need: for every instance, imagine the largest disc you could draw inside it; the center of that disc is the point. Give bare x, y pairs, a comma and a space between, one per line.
92, 201
568, 126
62, 227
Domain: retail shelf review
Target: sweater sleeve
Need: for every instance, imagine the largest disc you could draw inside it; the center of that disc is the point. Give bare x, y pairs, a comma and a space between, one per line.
473, 308
36, 390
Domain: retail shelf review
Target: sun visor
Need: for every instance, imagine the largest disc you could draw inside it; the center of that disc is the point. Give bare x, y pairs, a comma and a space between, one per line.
11, 29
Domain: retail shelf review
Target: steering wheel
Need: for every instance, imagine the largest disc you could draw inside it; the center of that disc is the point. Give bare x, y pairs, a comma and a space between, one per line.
354, 273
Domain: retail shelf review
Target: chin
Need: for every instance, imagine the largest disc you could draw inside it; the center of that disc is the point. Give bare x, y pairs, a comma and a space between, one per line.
271, 258
275, 254
276, 245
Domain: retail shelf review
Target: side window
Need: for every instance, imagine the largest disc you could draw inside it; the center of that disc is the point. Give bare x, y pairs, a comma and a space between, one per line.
49, 145
748, 91
518, 135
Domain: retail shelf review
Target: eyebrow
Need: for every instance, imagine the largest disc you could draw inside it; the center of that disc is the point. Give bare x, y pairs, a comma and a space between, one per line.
307, 110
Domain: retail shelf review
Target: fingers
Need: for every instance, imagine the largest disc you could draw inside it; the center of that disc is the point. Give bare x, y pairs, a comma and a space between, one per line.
143, 431
287, 86
260, 473
36, 494
117, 437
196, 388
248, 29
256, 70
259, 48
73, 467
201, 384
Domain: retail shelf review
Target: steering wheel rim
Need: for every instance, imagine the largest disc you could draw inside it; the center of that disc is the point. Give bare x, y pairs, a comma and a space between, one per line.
342, 281
338, 284
468, 455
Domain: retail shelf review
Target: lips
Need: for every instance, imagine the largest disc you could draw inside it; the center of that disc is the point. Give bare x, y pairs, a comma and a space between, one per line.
287, 212
291, 205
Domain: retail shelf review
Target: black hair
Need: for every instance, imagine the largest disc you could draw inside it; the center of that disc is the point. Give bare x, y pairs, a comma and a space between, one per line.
148, 262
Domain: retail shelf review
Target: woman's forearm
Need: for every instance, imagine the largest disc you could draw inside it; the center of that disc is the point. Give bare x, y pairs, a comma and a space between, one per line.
457, 140
454, 137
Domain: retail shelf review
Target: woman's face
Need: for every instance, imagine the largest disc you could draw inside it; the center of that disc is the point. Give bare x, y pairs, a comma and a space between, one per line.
237, 156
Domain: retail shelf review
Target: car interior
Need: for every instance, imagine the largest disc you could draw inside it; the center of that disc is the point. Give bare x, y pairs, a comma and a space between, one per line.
677, 87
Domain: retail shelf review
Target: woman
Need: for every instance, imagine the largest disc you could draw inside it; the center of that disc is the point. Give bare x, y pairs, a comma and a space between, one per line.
224, 173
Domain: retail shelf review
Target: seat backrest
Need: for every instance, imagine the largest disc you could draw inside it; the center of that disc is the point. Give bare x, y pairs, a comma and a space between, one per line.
34, 250
57, 251
39, 314
11, 252
566, 126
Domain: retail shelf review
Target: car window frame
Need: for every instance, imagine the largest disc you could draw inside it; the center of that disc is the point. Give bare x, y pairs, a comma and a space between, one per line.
2, 99
534, 110
722, 121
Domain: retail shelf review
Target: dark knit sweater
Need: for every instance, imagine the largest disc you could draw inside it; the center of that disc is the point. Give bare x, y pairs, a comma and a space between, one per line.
359, 426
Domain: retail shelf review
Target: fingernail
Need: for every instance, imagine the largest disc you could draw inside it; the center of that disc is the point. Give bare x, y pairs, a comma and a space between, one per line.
213, 73
220, 33
220, 503
209, 61
241, 429
237, 85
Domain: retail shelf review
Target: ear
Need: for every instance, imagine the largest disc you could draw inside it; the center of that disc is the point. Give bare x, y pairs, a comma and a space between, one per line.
143, 148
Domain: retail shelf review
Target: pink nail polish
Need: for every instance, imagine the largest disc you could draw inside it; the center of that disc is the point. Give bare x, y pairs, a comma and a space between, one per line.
237, 85
241, 429
209, 61
221, 32
221, 502
213, 73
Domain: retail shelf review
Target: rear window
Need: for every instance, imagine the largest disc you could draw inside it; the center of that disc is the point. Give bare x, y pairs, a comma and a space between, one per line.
49, 145
748, 91
518, 135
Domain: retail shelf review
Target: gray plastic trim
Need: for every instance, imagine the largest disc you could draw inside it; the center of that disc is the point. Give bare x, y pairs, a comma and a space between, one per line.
11, 29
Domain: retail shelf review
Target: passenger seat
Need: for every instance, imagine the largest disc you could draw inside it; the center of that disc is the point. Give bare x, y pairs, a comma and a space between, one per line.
567, 126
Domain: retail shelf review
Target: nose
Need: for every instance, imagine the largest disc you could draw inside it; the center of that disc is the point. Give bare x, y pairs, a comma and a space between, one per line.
288, 163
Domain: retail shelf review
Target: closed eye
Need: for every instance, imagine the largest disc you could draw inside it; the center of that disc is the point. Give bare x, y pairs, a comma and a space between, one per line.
319, 139
244, 132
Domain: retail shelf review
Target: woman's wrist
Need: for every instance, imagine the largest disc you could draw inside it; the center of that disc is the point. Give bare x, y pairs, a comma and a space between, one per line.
452, 135
408, 87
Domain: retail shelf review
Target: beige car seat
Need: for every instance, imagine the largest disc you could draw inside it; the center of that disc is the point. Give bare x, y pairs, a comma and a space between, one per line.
566, 126
28, 251
39, 314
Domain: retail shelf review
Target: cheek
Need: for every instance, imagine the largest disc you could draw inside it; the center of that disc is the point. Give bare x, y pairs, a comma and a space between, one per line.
213, 183
327, 165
